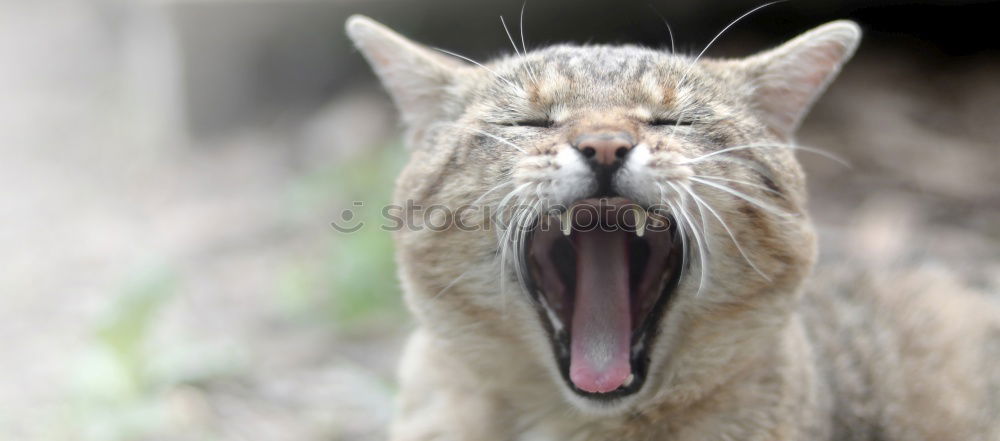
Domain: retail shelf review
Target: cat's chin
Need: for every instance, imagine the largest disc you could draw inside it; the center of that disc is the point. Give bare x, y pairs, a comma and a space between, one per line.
601, 274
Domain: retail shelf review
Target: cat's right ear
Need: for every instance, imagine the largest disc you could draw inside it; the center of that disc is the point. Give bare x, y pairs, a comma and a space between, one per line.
789, 78
415, 76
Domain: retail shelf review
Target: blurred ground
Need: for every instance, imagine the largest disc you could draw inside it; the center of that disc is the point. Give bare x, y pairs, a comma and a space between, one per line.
158, 287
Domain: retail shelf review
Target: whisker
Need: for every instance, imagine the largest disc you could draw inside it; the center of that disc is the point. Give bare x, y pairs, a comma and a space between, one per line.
731, 24
701, 246
524, 226
730, 149
524, 51
485, 133
450, 284
512, 235
709, 45
497, 75
524, 47
757, 202
670, 31
506, 200
748, 183
509, 37
519, 240
505, 233
701, 241
814, 150
752, 164
683, 198
495, 188
699, 200
680, 231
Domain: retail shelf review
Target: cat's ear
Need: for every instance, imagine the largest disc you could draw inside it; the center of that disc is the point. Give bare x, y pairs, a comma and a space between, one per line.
415, 76
789, 78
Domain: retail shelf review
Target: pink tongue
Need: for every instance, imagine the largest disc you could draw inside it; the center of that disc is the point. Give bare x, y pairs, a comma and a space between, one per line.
601, 331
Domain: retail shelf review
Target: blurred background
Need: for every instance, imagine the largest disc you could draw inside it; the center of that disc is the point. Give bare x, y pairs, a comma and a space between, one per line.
171, 168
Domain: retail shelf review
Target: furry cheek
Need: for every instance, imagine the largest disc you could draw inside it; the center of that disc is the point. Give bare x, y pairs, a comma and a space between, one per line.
645, 171
560, 179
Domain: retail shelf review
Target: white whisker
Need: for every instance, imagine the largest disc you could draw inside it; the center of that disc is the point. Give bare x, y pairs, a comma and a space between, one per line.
747, 183
509, 37
670, 31
508, 198
450, 284
505, 232
754, 165
680, 231
684, 199
701, 241
524, 51
820, 152
495, 188
519, 242
524, 47
732, 236
485, 133
709, 45
731, 24
702, 247
495, 74
757, 202
512, 235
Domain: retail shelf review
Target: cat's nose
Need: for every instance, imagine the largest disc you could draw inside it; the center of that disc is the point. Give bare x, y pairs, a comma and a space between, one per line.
605, 149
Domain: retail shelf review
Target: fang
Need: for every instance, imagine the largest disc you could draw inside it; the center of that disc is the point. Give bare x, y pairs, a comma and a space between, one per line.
567, 221
640, 222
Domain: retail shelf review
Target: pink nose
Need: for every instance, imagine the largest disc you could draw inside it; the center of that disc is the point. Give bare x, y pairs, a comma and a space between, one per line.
604, 149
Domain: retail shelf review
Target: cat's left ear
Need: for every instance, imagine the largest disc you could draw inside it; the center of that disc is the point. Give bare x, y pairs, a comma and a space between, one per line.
789, 78
415, 76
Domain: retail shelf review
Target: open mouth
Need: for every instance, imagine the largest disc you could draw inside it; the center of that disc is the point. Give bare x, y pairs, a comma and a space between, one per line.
602, 273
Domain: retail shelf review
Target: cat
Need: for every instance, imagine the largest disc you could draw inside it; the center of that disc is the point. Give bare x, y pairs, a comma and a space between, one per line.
646, 268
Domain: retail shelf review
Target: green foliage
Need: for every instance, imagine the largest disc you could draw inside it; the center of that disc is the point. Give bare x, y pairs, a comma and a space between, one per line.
124, 388
134, 381
112, 389
353, 284
128, 323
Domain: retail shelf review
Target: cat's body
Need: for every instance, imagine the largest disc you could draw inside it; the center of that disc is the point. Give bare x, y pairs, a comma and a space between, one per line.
709, 329
904, 355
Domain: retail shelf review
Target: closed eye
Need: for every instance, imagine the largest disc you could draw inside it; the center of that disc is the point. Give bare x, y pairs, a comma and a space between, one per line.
543, 123
670, 122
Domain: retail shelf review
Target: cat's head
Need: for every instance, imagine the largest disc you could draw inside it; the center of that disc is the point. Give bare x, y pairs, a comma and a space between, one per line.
630, 220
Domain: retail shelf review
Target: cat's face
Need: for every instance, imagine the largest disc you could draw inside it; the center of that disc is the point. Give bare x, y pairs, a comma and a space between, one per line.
630, 218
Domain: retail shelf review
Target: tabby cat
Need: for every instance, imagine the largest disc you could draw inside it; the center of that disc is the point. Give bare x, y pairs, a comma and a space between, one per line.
621, 251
